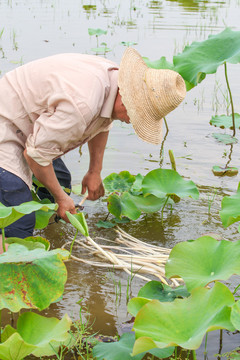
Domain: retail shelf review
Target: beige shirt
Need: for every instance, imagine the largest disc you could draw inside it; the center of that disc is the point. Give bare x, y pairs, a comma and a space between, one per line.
53, 105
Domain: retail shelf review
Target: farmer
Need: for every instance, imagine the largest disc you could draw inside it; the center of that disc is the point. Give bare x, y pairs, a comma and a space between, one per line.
53, 105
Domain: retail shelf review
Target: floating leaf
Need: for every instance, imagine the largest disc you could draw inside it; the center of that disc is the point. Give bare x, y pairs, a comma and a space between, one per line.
31, 278
225, 121
204, 260
201, 58
122, 349
166, 182
230, 212
222, 171
183, 322
119, 182
35, 335
102, 50
225, 138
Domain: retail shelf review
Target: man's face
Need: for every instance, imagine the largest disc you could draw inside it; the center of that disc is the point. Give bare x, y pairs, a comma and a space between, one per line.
119, 110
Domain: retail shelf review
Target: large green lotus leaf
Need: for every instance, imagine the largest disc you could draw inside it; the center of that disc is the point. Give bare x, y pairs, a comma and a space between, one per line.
31, 278
201, 58
35, 335
167, 182
235, 315
162, 63
136, 188
225, 121
204, 260
119, 182
230, 206
184, 322
122, 350
79, 222
131, 206
10, 214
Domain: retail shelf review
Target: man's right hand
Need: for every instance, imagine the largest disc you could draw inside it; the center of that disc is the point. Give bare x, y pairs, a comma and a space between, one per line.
65, 203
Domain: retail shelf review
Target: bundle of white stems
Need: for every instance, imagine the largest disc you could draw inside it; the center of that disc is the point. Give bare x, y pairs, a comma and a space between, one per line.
130, 254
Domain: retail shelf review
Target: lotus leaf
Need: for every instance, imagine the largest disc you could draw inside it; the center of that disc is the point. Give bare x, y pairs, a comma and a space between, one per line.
183, 322
201, 58
167, 182
119, 182
225, 138
122, 349
9, 215
230, 212
155, 290
131, 206
79, 222
43, 217
225, 121
96, 32
162, 63
35, 335
31, 242
31, 278
222, 171
204, 260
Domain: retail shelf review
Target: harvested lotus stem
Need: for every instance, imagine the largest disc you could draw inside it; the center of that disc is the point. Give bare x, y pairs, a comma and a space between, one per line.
132, 255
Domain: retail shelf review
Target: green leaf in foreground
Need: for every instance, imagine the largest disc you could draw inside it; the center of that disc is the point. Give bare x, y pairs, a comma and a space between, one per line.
183, 322
31, 278
79, 222
230, 212
10, 214
122, 349
204, 260
167, 182
201, 58
225, 121
35, 335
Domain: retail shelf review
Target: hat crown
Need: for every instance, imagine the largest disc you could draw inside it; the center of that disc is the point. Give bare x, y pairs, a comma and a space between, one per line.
165, 89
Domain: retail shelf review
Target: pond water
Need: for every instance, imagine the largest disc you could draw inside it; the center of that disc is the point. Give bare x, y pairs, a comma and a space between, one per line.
38, 28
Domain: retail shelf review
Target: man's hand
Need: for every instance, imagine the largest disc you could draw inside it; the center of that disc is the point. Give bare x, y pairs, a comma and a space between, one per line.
93, 183
65, 203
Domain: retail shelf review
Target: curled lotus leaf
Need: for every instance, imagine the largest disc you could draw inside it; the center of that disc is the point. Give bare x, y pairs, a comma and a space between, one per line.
79, 222
183, 322
31, 278
167, 182
222, 171
201, 58
30, 242
204, 260
35, 335
230, 209
119, 182
225, 121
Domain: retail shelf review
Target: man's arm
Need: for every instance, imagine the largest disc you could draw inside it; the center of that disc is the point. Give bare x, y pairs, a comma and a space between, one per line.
46, 175
92, 180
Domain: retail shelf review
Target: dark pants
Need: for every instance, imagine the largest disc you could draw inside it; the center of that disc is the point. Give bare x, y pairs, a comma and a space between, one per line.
14, 191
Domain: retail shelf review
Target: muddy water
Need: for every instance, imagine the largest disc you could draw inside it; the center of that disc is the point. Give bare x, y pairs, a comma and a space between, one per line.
39, 28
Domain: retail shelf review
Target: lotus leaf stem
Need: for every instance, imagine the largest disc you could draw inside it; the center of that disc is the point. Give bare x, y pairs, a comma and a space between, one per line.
3, 240
194, 356
0, 326
231, 100
164, 208
71, 247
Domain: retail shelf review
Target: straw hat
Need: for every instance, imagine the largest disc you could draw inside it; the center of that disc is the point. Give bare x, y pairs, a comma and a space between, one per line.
148, 94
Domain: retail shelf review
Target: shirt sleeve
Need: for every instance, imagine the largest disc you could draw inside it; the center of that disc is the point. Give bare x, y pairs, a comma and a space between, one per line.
57, 130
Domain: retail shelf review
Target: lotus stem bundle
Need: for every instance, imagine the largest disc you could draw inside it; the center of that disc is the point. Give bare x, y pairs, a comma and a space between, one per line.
127, 253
